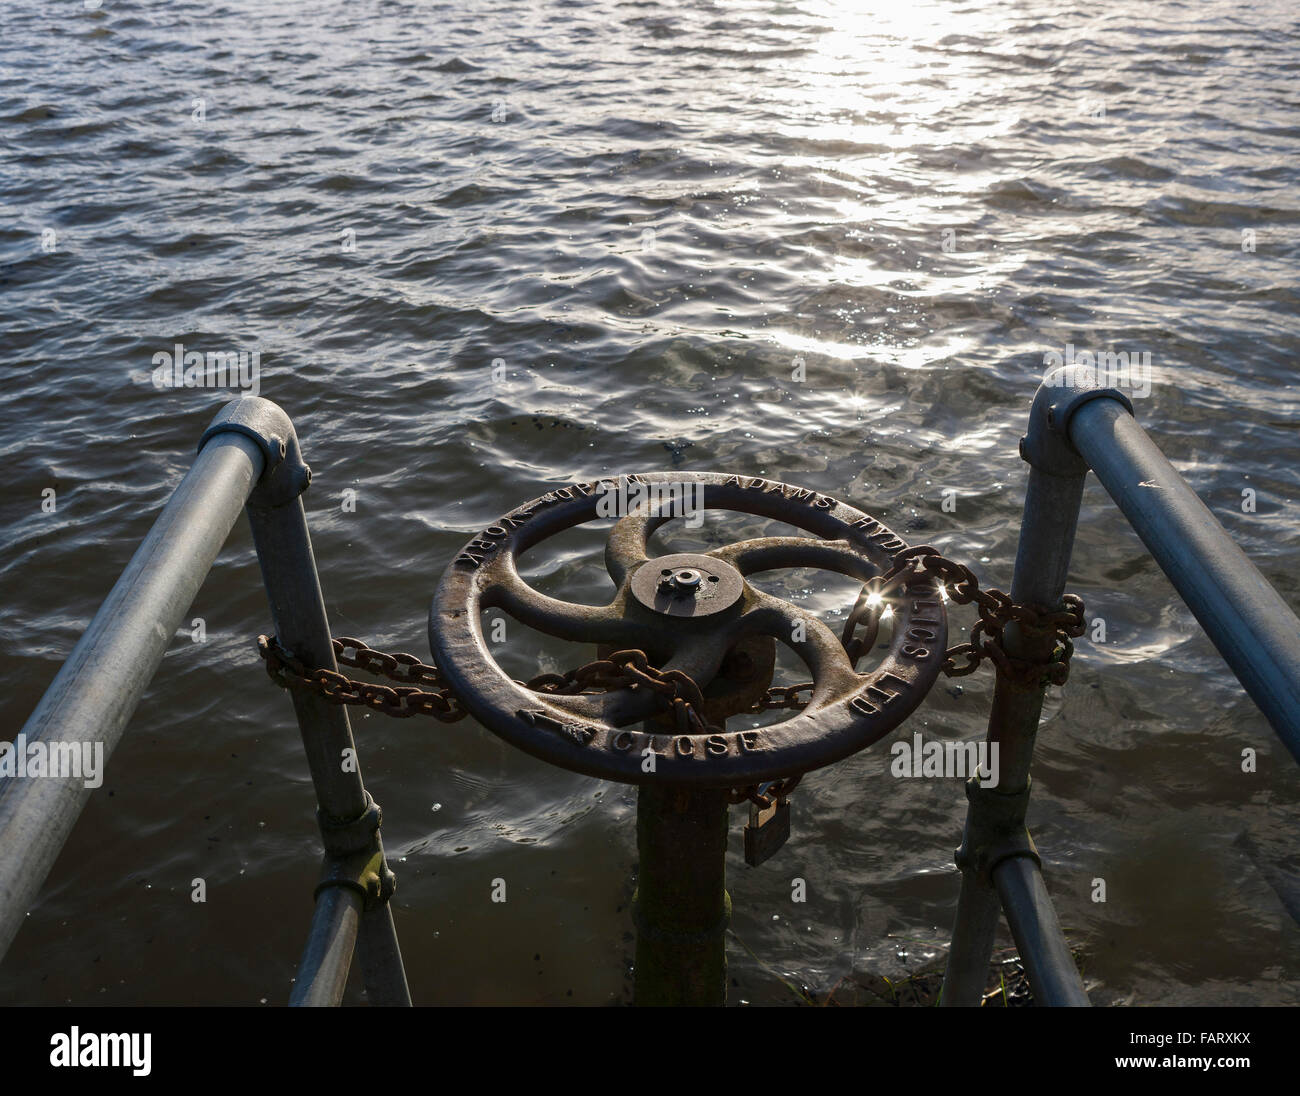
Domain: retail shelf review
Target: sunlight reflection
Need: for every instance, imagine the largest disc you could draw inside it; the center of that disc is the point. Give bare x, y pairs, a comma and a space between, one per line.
883, 94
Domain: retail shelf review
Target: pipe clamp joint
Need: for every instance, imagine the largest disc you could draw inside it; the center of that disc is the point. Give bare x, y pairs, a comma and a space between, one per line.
284, 476
349, 836
363, 872
1064, 390
995, 830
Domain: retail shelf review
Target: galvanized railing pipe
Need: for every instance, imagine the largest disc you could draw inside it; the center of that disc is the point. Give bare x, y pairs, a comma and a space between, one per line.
1077, 423
348, 818
1051, 516
1042, 562
1246, 619
327, 958
249, 455
94, 694
1053, 976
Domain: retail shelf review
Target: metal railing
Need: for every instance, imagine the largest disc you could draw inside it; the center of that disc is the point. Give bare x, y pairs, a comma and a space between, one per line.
249, 459
1076, 424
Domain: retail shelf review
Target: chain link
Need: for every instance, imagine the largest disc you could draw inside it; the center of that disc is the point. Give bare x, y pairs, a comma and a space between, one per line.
681, 694
288, 671
622, 669
996, 611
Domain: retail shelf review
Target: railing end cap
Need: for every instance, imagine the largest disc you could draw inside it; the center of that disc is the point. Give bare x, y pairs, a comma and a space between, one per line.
1047, 446
285, 476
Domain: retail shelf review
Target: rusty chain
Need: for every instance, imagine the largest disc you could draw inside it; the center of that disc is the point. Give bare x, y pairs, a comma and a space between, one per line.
288, 671
996, 611
682, 695
622, 669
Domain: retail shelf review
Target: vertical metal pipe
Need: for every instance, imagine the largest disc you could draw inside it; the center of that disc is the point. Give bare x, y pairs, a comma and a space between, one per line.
973, 933
1047, 530
301, 625
1042, 568
323, 969
349, 820
94, 694
682, 908
1043, 949
298, 616
381, 959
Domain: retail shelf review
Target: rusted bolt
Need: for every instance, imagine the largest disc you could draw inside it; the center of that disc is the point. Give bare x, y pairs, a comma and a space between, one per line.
682, 582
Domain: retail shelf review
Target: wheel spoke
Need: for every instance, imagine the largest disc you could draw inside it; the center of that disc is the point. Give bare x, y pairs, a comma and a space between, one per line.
772, 553
506, 590
832, 672
629, 543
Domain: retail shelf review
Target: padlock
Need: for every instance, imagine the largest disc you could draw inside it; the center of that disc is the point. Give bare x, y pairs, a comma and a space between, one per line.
768, 830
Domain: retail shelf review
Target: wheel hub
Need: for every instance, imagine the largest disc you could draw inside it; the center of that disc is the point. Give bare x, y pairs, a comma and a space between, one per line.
687, 585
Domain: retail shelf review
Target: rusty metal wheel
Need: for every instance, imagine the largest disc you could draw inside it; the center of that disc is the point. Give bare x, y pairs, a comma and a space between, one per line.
686, 611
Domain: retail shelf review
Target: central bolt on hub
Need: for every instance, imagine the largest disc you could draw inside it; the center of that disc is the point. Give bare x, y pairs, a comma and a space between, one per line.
683, 582
687, 585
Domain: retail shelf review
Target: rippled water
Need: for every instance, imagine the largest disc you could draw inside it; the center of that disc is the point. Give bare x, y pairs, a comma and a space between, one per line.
644, 214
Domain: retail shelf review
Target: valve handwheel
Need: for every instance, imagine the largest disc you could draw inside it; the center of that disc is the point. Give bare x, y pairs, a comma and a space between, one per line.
686, 611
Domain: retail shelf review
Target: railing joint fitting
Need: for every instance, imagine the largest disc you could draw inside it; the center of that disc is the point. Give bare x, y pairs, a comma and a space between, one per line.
1047, 446
285, 476
995, 830
364, 872
345, 837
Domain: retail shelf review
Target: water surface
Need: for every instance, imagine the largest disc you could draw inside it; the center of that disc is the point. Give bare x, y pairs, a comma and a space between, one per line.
648, 215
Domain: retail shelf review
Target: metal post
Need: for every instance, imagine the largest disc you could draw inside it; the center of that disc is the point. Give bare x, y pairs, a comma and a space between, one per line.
1254, 629
973, 933
1052, 974
348, 818
682, 908
382, 971
1051, 515
327, 958
95, 693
